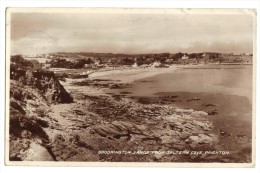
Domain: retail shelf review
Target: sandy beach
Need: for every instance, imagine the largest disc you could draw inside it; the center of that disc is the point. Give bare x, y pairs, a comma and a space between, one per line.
117, 76
132, 74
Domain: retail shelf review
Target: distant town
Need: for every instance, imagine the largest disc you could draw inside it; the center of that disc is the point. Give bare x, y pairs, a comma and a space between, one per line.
163, 60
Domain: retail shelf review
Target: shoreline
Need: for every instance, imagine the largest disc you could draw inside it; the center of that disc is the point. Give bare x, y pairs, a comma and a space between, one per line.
132, 74
137, 73
116, 76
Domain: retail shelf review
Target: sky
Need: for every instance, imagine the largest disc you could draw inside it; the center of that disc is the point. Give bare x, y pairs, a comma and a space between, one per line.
37, 33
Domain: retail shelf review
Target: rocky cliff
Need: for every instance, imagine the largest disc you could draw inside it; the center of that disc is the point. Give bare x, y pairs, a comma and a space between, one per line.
27, 120
45, 82
32, 92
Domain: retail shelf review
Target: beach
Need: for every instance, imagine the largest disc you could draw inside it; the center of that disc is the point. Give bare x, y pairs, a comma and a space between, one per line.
117, 76
132, 74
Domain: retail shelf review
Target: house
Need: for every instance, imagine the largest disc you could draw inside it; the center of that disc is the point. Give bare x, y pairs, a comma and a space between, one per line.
184, 57
236, 54
156, 63
203, 55
97, 63
135, 65
90, 65
168, 61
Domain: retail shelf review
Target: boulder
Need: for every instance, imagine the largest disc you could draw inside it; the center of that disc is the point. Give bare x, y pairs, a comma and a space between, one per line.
195, 141
199, 113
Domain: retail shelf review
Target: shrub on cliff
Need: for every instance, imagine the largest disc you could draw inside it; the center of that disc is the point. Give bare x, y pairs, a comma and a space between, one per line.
63, 63
17, 61
20, 123
127, 61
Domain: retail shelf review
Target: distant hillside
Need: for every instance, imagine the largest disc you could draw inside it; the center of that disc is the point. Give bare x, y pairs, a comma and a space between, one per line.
148, 59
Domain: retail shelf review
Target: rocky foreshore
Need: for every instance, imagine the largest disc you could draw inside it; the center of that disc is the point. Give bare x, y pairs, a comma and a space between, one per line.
94, 125
80, 130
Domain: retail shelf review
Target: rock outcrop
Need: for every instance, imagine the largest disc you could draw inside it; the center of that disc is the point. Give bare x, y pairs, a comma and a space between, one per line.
45, 82
26, 121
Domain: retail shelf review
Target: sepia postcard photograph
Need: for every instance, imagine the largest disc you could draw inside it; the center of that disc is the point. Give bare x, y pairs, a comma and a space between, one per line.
104, 86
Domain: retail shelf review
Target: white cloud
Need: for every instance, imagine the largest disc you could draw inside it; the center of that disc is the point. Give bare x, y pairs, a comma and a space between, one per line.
131, 33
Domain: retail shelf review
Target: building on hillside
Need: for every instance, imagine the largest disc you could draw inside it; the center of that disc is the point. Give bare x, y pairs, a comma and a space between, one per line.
168, 61
203, 55
97, 62
236, 54
185, 57
156, 63
135, 65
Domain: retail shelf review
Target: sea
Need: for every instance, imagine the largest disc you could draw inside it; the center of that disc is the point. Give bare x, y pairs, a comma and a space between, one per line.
224, 90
